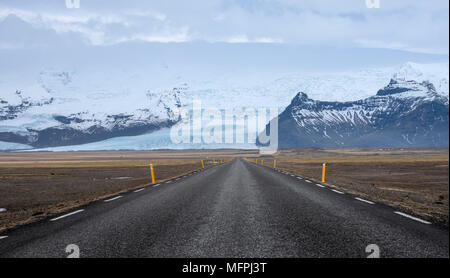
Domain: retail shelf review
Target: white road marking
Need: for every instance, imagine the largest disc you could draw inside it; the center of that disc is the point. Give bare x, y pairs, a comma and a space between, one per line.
2, 209
412, 217
122, 178
112, 199
292, 175
365, 201
65, 215
319, 185
2, 237
156, 185
168, 181
308, 181
299, 178
337, 191
139, 190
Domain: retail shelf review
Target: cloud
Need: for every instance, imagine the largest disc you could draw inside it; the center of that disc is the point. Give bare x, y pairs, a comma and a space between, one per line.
245, 39
105, 29
165, 37
155, 15
410, 25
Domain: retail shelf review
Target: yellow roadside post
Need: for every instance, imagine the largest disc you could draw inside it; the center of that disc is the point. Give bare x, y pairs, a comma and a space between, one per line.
153, 173
323, 172
214, 162
274, 163
262, 161
203, 164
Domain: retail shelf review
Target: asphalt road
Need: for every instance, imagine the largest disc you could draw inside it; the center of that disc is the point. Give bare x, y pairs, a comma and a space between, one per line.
237, 209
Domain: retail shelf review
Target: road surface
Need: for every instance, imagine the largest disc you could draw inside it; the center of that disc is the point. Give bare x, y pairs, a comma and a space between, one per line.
237, 209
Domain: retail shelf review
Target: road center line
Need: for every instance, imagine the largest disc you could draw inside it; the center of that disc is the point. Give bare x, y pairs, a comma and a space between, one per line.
319, 185
139, 190
365, 201
412, 217
112, 199
65, 215
337, 191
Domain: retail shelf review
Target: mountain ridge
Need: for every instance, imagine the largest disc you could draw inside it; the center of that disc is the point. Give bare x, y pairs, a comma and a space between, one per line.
405, 113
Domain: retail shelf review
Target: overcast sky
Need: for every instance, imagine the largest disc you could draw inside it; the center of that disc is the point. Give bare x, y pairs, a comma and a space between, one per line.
314, 31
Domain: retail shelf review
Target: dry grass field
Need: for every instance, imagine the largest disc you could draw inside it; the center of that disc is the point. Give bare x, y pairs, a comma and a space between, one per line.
412, 180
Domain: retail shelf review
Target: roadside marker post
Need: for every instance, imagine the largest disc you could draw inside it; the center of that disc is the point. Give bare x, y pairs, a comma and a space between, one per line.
324, 166
203, 164
153, 173
274, 163
262, 161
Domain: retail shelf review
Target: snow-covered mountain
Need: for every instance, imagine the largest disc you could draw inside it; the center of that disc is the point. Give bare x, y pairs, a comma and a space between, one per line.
403, 113
61, 111
118, 109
